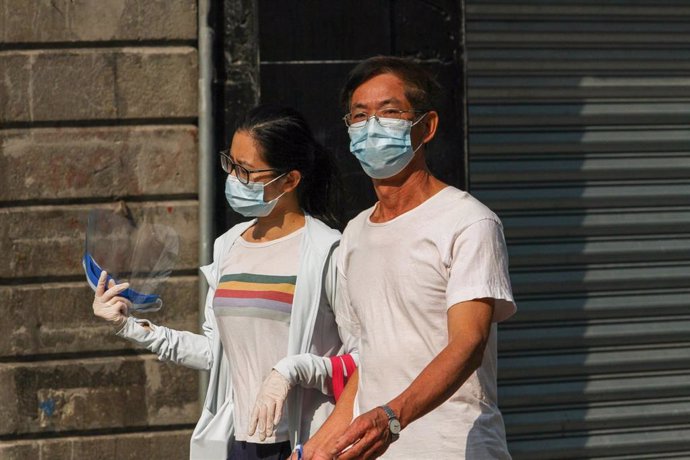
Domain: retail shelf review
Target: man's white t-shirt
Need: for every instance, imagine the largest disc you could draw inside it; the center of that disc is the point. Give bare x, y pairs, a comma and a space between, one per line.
402, 276
252, 305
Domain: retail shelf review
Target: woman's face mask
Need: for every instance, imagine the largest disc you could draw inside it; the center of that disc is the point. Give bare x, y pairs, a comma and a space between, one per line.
248, 200
383, 151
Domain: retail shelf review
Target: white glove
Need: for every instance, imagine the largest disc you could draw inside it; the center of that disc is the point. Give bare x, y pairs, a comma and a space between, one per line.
268, 408
107, 304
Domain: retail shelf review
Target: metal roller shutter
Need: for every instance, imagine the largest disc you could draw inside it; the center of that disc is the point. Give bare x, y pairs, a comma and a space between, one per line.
579, 138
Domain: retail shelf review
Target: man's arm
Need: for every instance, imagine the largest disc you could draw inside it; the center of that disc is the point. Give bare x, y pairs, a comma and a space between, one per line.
469, 325
322, 444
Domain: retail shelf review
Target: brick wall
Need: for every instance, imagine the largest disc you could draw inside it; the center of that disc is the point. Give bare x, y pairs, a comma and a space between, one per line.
98, 103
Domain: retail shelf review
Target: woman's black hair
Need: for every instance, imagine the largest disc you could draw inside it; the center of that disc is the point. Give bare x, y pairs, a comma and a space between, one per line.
287, 143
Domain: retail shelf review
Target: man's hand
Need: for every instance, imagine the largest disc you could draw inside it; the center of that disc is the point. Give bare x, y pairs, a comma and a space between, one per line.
107, 304
268, 408
368, 437
321, 446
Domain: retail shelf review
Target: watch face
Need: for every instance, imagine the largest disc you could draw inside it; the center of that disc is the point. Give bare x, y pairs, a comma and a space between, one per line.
394, 426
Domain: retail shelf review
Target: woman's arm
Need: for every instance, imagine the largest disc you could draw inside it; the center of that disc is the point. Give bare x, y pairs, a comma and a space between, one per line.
313, 371
180, 347
309, 370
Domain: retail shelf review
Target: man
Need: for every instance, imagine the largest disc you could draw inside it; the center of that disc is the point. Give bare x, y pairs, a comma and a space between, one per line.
426, 273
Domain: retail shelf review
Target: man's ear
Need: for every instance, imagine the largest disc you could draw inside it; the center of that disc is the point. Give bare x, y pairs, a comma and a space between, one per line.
292, 180
430, 123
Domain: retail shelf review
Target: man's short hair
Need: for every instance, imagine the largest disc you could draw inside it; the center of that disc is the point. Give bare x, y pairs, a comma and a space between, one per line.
421, 89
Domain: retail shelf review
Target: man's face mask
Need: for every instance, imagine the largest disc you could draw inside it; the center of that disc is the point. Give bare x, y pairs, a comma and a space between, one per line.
383, 146
248, 199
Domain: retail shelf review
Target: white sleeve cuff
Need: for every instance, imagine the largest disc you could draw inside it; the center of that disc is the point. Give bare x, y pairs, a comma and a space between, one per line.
504, 306
133, 330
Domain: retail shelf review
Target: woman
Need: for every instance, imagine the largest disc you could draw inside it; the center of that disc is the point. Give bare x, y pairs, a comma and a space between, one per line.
272, 300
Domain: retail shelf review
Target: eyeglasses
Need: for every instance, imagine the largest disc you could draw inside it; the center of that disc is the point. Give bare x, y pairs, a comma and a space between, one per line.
385, 117
240, 171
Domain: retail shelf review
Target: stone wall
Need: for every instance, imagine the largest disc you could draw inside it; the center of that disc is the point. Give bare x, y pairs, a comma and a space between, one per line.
98, 103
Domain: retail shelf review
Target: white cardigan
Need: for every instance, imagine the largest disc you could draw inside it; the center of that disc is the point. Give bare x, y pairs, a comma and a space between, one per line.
313, 330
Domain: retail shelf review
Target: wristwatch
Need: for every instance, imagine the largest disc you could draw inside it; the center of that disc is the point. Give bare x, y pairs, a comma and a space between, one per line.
393, 423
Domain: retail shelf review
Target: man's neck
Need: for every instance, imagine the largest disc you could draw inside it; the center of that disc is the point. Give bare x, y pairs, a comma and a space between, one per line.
399, 196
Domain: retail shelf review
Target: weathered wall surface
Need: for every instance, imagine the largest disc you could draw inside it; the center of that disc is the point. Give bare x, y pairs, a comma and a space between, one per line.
98, 103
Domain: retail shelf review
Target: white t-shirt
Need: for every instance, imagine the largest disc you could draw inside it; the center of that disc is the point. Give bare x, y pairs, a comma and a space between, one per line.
402, 276
252, 305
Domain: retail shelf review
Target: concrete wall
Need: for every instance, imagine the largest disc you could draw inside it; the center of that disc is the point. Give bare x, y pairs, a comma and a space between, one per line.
98, 103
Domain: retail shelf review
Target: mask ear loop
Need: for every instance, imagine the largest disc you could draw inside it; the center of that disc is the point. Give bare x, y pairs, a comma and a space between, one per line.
418, 147
417, 121
270, 182
274, 179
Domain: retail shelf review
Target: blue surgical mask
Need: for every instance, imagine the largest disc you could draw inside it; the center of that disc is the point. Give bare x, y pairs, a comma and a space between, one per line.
383, 151
248, 199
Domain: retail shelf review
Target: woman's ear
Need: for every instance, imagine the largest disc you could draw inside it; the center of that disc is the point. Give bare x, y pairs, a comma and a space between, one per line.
292, 180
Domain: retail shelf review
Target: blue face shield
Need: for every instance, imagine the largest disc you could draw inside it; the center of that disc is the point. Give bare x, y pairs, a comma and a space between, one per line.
248, 199
141, 254
383, 151
140, 302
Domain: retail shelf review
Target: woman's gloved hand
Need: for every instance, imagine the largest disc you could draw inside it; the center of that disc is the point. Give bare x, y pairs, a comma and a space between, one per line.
268, 408
107, 304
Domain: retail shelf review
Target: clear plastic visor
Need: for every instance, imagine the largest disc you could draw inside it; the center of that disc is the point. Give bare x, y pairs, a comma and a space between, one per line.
142, 254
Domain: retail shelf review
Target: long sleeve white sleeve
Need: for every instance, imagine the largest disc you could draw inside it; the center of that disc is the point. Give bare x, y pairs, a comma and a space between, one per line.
181, 347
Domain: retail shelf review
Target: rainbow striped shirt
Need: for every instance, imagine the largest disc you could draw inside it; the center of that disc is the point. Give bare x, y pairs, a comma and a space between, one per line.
252, 295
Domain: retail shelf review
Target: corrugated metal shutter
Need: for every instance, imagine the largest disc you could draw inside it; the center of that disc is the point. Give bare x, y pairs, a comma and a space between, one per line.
579, 116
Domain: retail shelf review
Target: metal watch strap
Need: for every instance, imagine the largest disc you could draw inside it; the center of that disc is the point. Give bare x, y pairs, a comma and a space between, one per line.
389, 412
392, 421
